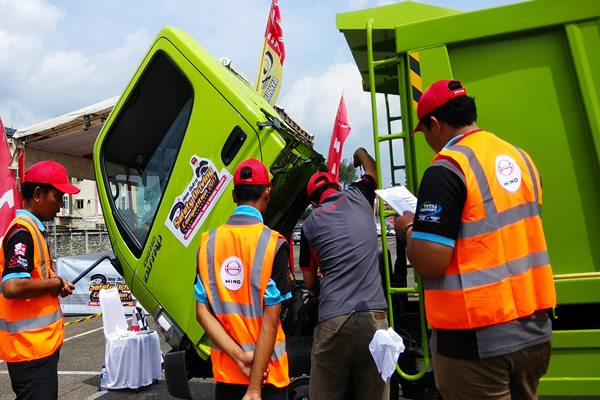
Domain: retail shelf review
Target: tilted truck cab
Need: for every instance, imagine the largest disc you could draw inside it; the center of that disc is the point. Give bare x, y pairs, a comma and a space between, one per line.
164, 162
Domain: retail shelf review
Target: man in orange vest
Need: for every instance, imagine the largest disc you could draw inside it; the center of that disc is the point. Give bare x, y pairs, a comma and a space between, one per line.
241, 283
31, 321
477, 240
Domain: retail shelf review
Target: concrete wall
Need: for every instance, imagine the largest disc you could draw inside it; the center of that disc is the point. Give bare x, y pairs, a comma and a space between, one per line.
77, 243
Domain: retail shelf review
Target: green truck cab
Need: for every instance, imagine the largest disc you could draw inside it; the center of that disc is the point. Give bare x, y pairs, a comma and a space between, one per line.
164, 162
534, 69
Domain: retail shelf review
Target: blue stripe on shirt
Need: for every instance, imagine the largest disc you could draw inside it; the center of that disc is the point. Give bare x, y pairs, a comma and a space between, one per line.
248, 210
431, 237
199, 291
273, 295
25, 213
16, 275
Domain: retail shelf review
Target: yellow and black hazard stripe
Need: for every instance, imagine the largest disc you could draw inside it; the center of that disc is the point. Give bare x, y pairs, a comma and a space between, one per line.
415, 77
84, 319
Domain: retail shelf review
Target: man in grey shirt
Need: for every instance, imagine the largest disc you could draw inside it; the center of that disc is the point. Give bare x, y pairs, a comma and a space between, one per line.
339, 241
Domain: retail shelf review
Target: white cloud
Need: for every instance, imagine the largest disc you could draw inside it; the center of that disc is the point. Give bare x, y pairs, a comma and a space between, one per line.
26, 25
313, 102
358, 4
27, 16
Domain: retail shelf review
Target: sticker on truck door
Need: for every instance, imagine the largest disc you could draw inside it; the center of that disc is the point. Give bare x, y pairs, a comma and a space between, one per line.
190, 209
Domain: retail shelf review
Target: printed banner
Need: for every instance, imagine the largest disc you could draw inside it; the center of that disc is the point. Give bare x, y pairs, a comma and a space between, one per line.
270, 70
341, 130
190, 209
85, 297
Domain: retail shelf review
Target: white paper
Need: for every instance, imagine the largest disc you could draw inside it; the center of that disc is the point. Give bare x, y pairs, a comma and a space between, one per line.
399, 198
385, 347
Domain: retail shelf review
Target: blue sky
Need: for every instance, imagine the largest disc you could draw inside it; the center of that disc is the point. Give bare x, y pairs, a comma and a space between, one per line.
62, 55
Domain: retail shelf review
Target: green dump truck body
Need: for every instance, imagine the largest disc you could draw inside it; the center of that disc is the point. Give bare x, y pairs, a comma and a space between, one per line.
534, 70
164, 163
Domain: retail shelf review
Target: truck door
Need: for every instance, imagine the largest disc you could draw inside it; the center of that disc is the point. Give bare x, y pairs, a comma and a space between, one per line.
167, 154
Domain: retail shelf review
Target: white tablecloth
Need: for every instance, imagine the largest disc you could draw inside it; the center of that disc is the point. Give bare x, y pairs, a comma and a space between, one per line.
133, 361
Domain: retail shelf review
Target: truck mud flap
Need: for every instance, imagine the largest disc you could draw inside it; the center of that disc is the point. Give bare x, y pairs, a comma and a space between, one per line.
176, 375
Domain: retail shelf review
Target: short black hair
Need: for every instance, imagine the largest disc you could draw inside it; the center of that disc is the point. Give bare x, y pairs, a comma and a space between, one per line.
245, 193
458, 112
27, 189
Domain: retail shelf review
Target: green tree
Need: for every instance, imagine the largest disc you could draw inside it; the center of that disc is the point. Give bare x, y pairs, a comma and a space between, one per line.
348, 173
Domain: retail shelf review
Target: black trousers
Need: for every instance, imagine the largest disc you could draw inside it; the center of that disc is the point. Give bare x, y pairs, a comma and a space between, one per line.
35, 380
229, 391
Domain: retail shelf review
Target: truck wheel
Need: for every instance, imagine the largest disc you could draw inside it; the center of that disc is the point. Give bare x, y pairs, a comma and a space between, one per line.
298, 349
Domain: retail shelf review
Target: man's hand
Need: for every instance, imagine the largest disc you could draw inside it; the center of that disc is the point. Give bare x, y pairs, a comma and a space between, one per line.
356, 156
362, 158
252, 395
402, 221
244, 362
67, 288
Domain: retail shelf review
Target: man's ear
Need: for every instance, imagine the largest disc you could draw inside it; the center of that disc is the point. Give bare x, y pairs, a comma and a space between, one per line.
37, 193
435, 124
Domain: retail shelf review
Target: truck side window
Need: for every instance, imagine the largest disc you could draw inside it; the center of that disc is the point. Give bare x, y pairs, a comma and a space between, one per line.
142, 147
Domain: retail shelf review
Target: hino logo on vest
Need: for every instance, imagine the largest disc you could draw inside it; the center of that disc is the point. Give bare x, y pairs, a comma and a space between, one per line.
508, 173
232, 273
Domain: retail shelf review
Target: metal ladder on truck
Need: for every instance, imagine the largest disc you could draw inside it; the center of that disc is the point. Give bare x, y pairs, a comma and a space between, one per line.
404, 136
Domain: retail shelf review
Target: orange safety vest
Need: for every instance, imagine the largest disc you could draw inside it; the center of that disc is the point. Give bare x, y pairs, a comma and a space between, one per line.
500, 269
32, 328
235, 264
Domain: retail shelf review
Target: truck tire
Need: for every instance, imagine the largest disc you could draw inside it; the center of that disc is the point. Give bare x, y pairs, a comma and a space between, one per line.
298, 349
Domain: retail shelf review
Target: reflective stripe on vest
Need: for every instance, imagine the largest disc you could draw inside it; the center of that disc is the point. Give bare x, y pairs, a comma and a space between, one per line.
240, 309
253, 310
485, 269
278, 350
30, 328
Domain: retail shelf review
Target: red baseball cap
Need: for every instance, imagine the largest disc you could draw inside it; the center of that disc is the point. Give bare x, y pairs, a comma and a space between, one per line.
258, 176
317, 180
436, 95
51, 173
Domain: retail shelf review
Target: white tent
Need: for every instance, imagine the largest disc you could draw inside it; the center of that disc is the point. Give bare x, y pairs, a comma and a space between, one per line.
68, 139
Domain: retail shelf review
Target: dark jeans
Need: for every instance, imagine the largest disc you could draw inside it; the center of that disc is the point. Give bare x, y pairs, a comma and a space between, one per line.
35, 380
229, 391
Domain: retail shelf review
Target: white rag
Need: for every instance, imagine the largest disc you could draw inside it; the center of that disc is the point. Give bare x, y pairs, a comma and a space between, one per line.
385, 348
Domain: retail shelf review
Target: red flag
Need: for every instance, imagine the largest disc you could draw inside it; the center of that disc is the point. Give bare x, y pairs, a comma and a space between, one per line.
341, 130
10, 198
270, 69
274, 31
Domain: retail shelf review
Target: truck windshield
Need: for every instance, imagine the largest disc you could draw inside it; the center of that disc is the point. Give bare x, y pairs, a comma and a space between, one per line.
142, 146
